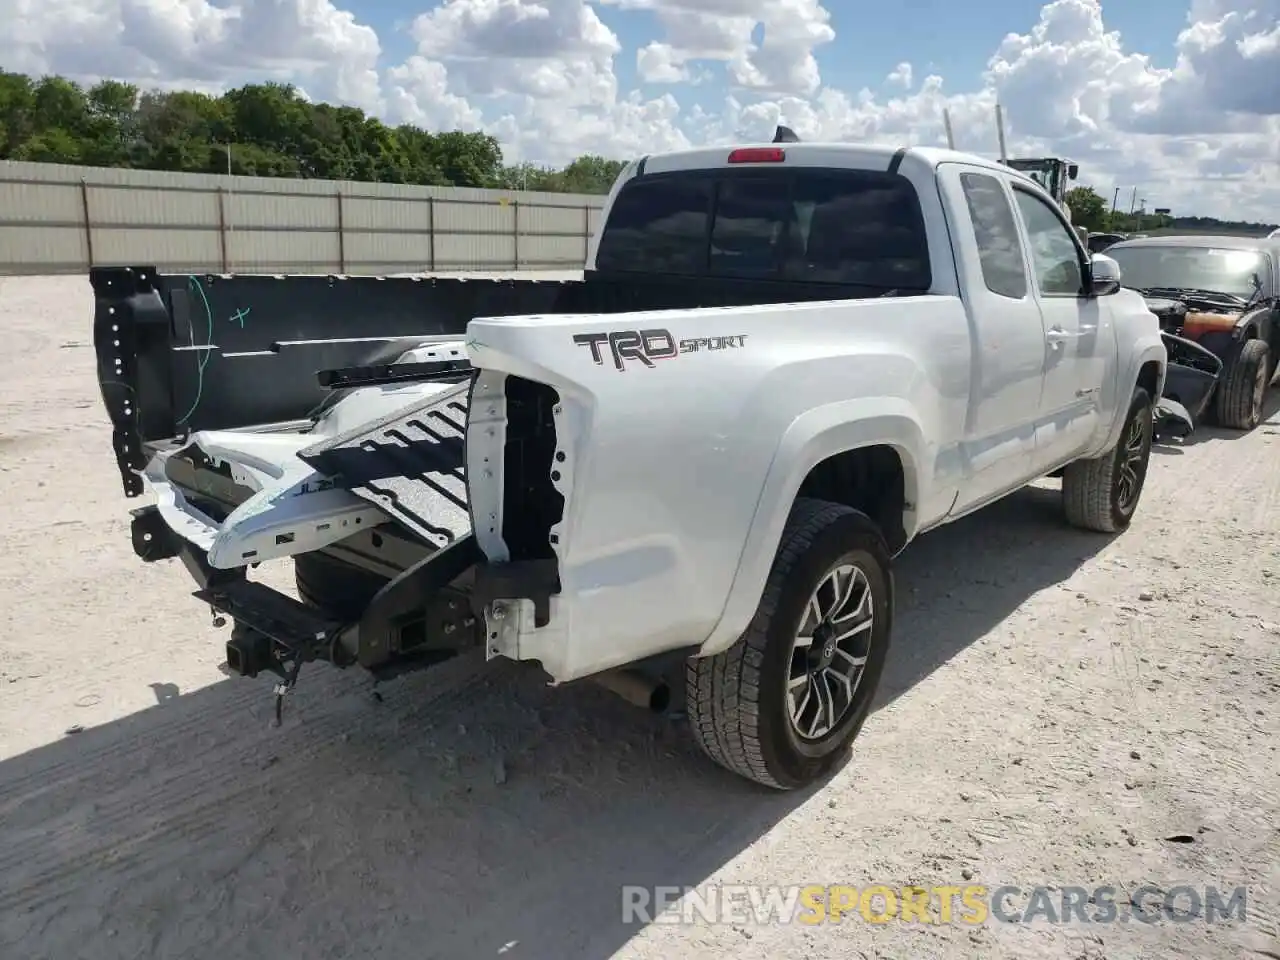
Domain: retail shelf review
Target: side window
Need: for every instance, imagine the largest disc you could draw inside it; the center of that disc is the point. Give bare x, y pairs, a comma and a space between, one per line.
658, 225
999, 249
1053, 251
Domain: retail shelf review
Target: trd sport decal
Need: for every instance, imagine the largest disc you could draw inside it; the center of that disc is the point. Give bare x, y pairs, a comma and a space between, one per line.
648, 346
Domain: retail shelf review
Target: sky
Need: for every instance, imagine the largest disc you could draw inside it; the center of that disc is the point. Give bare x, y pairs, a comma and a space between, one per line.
1178, 99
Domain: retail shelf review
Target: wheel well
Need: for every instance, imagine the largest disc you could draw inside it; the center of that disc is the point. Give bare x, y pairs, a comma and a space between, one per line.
870, 479
1149, 378
1273, 334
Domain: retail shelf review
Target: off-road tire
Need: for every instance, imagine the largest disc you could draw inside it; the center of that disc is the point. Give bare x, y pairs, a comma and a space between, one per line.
1091, 488
337, 589
737, 700
1239, 403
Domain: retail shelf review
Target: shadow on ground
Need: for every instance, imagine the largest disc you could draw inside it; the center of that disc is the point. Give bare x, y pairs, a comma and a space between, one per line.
473, 812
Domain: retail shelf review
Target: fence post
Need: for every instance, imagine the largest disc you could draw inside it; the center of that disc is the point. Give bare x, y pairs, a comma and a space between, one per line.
431, 234
88, 223
342, 236
222, 227
515, 235
586, 232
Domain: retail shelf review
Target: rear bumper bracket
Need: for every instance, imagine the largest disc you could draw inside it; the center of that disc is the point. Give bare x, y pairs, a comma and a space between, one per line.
534, 580
152, 538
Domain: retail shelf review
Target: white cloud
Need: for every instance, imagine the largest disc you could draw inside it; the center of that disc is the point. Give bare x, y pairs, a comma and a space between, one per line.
900, 76
766, 45
417, 92
1201, 136
544, 49
195, 44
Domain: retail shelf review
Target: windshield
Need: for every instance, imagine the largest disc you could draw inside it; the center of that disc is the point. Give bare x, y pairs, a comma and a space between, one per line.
1201, 268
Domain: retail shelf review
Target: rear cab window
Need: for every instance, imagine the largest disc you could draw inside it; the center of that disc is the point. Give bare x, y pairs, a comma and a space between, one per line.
810, 224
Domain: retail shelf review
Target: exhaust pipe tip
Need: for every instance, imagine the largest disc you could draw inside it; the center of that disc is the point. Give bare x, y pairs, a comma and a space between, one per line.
660, 698
636, 688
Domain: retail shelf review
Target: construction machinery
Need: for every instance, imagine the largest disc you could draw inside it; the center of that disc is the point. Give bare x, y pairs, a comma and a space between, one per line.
1052, 173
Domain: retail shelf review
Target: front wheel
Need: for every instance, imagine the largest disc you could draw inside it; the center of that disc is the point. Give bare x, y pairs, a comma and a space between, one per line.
1244, 385
1102, 494
782, 705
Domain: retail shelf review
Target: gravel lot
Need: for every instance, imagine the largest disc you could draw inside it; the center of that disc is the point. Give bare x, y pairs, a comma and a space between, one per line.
1058, 706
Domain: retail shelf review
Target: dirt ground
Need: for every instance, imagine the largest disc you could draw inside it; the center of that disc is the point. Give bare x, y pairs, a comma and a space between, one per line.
1058, 707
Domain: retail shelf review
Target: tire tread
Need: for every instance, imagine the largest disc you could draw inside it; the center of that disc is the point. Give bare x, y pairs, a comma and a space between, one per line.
1087, 484
1235, 395
723, 691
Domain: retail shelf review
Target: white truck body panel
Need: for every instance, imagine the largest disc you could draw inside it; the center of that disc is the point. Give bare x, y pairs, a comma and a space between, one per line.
678, 477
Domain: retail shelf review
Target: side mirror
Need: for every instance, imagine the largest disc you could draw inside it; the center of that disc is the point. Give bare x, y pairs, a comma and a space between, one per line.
1073, 171
1104, 276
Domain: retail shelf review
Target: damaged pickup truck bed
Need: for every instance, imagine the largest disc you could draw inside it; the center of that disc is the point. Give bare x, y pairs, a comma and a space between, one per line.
784, 362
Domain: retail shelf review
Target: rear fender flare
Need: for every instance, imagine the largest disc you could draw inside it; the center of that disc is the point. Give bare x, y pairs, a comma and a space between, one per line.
813, 437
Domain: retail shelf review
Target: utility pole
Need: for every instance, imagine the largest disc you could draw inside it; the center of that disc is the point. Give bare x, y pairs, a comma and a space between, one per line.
1133, 201
1115, 200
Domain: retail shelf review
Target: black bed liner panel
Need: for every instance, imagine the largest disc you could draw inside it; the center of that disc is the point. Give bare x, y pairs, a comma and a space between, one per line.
217, 352
180, 352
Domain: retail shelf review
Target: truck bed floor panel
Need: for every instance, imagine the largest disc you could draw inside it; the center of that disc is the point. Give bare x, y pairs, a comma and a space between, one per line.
410, 463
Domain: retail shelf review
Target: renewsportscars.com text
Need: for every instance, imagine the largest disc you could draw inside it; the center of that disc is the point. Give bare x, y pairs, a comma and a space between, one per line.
966, 904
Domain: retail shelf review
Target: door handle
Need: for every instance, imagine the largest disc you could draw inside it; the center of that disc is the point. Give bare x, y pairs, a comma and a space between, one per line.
1057, 336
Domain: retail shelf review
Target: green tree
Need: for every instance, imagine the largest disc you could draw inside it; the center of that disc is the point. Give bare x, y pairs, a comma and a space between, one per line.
17, 111
177, 131
592, 174
1088, 209
50, 146
109, 131
265, 130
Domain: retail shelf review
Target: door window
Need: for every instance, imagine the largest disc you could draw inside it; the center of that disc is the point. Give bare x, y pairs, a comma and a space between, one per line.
996, 233
1054, 253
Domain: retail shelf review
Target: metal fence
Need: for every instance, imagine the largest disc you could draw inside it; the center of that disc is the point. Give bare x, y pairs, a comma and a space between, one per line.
63, 219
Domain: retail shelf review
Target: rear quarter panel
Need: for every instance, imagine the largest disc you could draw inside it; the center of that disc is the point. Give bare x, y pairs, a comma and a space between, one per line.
678, 477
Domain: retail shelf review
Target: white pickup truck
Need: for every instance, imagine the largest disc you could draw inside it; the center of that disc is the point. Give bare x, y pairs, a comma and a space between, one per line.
783, 364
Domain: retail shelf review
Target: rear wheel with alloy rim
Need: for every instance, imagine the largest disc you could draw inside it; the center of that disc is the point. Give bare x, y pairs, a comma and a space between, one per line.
829, 655
782, 704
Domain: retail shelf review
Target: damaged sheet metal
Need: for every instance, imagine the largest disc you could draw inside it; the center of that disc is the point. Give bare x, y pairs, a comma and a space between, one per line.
1192, 376
411, 463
